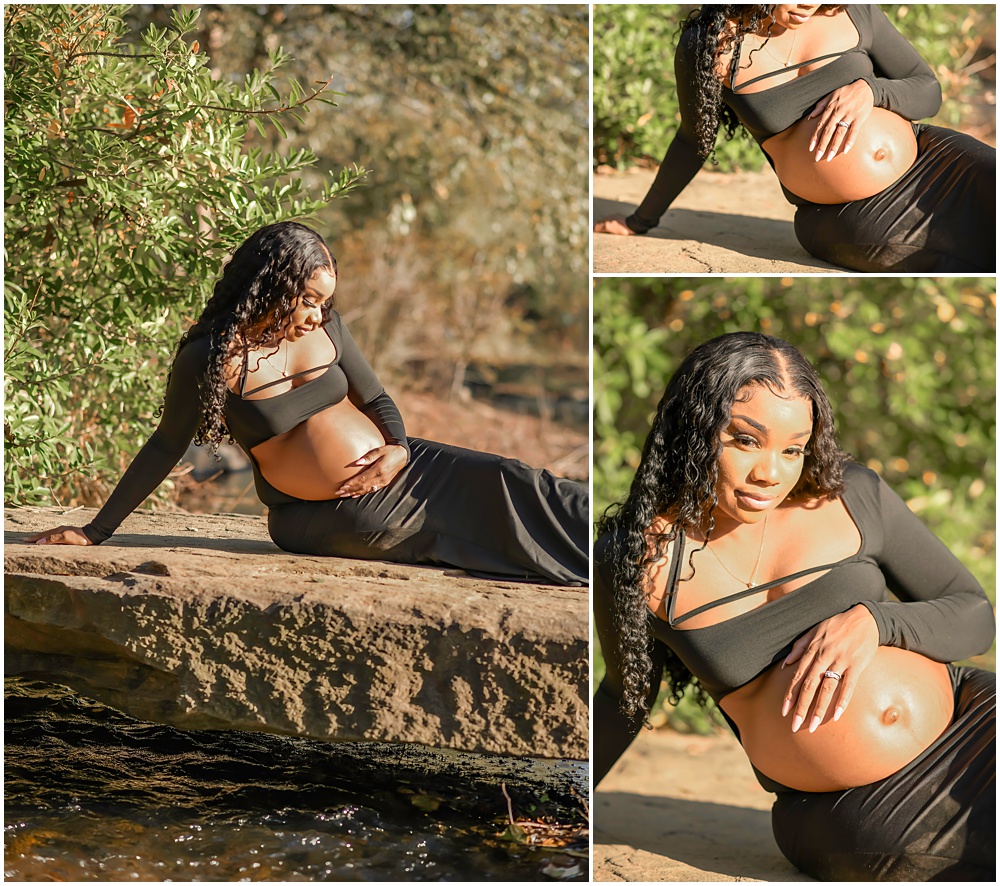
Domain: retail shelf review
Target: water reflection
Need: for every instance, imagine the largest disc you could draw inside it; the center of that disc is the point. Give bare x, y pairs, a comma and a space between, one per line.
94, 795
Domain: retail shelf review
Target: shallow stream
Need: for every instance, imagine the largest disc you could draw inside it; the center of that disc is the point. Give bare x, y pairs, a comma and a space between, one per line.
91, 794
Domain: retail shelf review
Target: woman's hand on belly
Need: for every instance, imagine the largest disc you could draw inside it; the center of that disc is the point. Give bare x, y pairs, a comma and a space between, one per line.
316, 458
843, 644
380, 468
902, 703
850, 104
884, 148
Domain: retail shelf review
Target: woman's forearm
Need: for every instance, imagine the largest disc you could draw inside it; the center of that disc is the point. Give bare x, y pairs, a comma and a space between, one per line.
679, 166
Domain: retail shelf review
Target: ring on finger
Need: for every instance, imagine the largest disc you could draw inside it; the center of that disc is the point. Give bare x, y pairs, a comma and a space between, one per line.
844, 123
833, 675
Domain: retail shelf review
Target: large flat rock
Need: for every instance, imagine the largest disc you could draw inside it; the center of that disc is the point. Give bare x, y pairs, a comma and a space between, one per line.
201, 622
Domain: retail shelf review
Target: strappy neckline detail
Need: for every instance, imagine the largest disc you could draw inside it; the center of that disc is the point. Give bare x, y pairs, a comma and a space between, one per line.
734, 68
243, 394
673, 577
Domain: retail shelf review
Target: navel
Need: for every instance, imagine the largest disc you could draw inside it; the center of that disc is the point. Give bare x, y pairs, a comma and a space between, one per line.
890, 715
881, 154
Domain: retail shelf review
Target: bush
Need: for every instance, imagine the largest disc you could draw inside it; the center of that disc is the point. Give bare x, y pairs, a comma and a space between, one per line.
127, 183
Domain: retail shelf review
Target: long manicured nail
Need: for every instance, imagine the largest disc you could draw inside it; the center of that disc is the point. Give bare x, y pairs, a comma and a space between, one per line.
828, 159
819, 156
796, 722
814, 724
786, 707
837, 713
847, 149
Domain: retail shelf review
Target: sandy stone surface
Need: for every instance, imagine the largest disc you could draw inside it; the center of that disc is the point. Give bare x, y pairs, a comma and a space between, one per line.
678, 808
202, 622
736, 223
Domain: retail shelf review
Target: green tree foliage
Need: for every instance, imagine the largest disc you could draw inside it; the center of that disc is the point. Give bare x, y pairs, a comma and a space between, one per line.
635, 97
469, 240
127, 182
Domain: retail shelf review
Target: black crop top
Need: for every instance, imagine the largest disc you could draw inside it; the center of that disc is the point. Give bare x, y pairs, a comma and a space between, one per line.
251, 422
941, 612
901, 81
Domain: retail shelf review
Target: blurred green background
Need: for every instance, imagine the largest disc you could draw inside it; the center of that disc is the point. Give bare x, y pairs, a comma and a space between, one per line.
909, 365
635, 99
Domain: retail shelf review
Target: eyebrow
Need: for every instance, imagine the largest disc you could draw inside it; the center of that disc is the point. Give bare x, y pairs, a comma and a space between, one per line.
764, 430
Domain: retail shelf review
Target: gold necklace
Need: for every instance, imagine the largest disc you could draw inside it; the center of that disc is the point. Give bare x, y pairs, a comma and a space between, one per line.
267, 359
791, 49
753, 575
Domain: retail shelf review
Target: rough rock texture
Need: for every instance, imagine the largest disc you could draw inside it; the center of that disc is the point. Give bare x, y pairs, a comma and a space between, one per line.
202, 623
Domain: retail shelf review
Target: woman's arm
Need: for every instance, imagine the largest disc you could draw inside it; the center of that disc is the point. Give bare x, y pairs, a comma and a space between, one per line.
682, 161
167, 445
365, 391
945, 614
903, 82
613, 730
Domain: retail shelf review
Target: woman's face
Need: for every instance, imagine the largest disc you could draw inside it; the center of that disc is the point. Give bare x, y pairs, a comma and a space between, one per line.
307, 310
763, 450
794, 15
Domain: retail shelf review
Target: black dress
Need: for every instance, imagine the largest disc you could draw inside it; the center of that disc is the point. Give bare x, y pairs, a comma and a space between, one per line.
938, 217
933, 819
489, 515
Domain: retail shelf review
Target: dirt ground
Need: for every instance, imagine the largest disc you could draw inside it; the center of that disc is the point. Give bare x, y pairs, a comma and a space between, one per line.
737, 223
652, 822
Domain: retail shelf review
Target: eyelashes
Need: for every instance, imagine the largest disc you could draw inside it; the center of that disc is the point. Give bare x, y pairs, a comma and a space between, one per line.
749, 442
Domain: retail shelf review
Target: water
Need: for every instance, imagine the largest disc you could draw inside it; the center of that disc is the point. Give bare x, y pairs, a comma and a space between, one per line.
91, 794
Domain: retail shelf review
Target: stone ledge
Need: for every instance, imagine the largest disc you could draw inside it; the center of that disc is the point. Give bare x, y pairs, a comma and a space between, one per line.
201, 622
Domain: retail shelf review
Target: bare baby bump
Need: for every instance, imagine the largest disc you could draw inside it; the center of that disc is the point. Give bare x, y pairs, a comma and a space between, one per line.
884, 149
314, 458
903, 701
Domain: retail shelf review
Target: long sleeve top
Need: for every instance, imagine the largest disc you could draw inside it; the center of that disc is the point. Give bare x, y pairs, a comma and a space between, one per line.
251, 422
900, 80
940, 611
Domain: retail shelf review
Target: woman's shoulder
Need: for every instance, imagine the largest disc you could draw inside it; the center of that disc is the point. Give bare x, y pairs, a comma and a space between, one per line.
617, 543
193, 356
859, 479
863, 15
335, 326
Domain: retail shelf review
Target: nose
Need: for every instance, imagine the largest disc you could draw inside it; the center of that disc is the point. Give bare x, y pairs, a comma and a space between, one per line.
767, 469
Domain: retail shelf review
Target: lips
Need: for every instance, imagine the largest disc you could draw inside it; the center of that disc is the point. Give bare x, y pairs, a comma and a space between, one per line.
754, 501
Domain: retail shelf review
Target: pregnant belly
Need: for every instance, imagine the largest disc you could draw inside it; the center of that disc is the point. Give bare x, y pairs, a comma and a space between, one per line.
902, 703
883, 150
314, 458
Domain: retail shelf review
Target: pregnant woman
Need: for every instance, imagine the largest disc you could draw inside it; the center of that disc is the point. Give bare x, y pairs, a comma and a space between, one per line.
753, 562
270, 363
829, 93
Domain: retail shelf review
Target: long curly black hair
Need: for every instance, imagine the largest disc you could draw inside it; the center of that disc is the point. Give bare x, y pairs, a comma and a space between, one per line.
714, 29
251, 301
678, 472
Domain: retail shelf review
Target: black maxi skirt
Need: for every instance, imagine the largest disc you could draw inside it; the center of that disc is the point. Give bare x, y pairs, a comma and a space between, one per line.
491, 516
934, 820
939, 217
